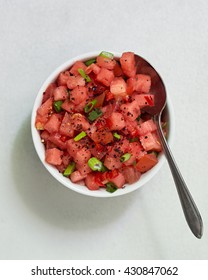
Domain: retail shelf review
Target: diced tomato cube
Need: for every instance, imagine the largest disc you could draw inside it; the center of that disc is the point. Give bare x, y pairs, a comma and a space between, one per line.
146, 162
66, 127
60, 93
82, 156
142, 83
53, 124
130, 110
131, 174
105, 76
144, 99
127, 61
53, 156
74, 81
78, 94
46, 107
49, 92
68, 106
147, 126
77, 65
116, 121
118, 87
119, 180
91, 182
150, 142
76, 176
79, 122
63, 78
106, 62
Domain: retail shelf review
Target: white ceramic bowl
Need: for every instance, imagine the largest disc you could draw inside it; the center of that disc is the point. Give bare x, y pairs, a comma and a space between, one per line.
67, 182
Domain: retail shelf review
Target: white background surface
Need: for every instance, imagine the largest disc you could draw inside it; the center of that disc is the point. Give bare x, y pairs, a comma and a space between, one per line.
41, 219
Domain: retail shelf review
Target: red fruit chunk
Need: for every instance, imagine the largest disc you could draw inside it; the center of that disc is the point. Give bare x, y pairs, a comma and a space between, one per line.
79, 122
74, 81
150, 142
142, 83
49, 92
118, 87
144, 99
146, 162
46, 107
53, 156
76, 176
91, 182
119, 180
146, 127
68, 106
130, 111
66, 127
116, 121
77, 65
78, 94
131, 174
106, 62
63, 78
127, 61
53, 124
60, 93
105, 76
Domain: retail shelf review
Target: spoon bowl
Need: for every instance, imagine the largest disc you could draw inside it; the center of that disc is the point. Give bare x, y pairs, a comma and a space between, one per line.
190, 209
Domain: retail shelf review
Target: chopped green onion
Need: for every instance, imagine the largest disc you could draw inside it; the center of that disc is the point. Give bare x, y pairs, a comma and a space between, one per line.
95, 164
90, 61
104, 168
57, 105
125, 157
70, 168
106, 54
90, 106
80, 136
116, 135
84, 75
94, 114
111, 187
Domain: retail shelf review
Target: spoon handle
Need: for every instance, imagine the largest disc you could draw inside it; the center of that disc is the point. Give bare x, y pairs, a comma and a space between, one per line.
190, 210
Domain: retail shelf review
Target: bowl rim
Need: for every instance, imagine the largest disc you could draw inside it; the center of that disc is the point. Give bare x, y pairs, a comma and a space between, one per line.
39, 147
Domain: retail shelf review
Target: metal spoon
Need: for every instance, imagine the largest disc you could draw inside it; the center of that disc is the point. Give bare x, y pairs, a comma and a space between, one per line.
190, 210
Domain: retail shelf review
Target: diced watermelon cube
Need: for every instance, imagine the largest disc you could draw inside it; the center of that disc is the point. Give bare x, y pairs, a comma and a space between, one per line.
92, 68
130, 110
91, 182
82, 156
105, 76
78, 94
106, 62
150, 142
56, 139
60, 93
144, 99
146, 162
118, 87
74, 81
127, 61
73, 147
66, 127
131, 174
112, 162
83, 168
76, 176
40, 121
119, 180
142, 83
68, 106
63, 78
146, 127
116, 121
79, 122
53, 124
49, 92
77, 65
53, 156
46, 107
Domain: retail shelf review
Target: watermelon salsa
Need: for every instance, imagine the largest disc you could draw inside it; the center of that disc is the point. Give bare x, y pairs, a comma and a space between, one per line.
93, 124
